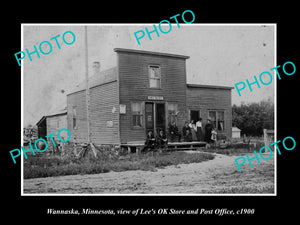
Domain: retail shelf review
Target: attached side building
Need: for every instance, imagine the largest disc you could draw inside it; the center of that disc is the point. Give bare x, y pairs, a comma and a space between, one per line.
104, 109
211, 102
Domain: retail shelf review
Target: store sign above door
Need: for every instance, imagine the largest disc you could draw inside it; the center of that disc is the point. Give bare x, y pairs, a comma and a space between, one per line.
157, 98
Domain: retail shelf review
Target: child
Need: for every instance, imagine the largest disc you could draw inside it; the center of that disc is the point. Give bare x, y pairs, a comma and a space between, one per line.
188, 137
186, 132
214, 136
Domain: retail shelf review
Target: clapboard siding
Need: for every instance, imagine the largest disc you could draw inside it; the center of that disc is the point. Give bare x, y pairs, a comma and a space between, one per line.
205, 99
104, 107
77, 100
55, 123
134, 86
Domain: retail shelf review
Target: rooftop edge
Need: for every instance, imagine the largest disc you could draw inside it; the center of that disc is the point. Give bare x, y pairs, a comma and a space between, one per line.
150, 53
209, 86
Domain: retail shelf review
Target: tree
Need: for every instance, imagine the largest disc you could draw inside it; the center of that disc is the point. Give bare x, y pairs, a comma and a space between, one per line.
254, 117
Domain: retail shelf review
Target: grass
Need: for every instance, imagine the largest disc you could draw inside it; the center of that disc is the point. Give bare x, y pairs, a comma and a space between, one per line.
228, 151
45, 165
237, 147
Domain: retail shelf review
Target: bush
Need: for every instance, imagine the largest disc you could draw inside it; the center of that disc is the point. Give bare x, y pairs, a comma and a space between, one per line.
253, 118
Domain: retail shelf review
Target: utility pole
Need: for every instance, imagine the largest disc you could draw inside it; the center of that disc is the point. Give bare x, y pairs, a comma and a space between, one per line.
87, 93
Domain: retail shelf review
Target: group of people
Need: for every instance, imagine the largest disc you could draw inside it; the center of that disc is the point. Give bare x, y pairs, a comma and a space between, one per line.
152, 142
191, 131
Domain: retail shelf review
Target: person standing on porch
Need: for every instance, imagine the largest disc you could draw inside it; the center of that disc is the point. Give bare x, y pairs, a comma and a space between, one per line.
173, 130
193, 130
199, 129
208, 129
186, 132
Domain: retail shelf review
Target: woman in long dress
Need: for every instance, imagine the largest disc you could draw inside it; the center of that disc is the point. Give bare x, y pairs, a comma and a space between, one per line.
199, 129
193, 130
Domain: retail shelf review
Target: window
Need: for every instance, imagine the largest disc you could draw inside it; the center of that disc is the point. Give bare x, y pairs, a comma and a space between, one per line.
217, 119
220, 116
212, 116
137, 114
74, 118
172, 112
154, 77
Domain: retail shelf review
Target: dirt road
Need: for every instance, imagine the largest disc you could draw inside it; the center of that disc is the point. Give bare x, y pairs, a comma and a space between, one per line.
219, 175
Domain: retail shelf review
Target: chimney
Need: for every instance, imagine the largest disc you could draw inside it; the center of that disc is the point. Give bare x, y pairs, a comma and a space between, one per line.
96, 68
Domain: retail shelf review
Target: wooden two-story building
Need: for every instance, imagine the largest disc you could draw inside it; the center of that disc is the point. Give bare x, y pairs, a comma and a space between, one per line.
144, 91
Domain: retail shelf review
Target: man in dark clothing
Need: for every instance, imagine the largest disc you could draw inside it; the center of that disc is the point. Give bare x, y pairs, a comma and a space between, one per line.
208, 129
162, 140
173, 130
150, 142
186, 132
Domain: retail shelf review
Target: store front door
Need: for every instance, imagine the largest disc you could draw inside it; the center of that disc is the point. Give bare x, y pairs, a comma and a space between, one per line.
155, 116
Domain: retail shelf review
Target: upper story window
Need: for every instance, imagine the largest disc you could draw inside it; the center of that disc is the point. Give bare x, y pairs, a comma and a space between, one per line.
154, 77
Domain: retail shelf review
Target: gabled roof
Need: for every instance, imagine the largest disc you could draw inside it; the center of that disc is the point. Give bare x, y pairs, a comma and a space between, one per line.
105, 76
41, 120
235, 129
58, 113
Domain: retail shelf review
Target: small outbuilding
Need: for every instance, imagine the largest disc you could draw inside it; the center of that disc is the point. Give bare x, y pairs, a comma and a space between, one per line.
52, 123
236, 132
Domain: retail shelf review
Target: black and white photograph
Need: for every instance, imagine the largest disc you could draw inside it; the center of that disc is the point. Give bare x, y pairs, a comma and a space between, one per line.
157, 114
149, 111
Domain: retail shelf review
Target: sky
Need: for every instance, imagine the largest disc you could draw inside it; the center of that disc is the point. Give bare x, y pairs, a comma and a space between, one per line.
219, 55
